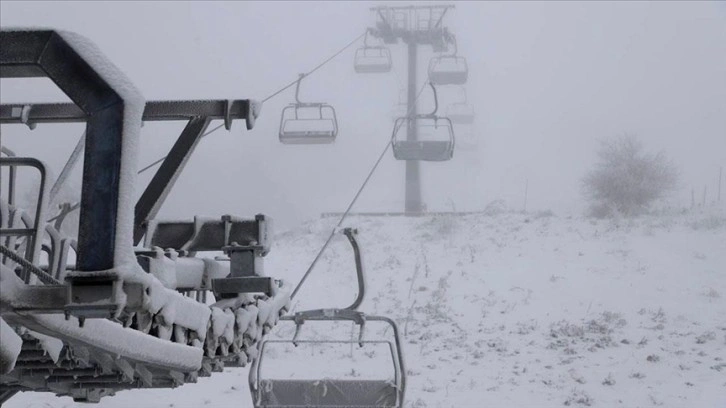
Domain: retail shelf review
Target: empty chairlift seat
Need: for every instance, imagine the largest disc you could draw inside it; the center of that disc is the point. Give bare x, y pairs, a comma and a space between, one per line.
434, 139
308, 122
372, 60
324, 391
448, 70
433, 136
461, 113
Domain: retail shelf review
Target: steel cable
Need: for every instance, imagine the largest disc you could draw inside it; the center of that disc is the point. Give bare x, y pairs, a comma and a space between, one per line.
355, 198
274, 94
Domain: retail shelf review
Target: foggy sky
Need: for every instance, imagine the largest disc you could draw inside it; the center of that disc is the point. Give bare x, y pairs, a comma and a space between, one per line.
547, 80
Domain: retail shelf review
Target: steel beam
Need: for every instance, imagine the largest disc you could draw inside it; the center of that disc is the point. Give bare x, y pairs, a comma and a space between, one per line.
46, 53
153, 197
154, 111
413, 203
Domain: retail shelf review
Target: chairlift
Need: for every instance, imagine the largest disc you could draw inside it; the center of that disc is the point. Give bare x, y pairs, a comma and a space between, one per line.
434, 136
449, 69
371, 59
308, 122
461, 113
332, 392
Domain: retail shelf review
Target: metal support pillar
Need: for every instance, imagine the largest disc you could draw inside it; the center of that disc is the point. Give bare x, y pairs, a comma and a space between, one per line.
43, 53
413, 203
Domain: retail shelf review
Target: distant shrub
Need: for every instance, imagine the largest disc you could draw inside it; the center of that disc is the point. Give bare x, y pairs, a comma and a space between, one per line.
626, 180
711, 222
496, 207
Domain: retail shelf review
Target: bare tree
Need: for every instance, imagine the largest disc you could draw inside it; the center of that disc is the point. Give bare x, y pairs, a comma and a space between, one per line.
626, 180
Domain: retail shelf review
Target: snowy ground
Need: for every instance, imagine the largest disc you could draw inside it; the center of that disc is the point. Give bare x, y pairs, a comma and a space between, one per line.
516, 310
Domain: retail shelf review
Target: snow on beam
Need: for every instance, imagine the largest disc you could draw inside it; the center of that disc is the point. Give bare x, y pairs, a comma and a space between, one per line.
10, 345
114, 108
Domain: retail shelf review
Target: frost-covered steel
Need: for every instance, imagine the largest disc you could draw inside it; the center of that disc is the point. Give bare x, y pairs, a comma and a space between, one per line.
114, 107
156, 336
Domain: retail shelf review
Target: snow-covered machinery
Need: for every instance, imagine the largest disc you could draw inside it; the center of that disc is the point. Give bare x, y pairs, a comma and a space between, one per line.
92, 314
325, 391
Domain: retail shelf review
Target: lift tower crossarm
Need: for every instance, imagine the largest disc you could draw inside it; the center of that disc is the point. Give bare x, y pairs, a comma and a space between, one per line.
197, 113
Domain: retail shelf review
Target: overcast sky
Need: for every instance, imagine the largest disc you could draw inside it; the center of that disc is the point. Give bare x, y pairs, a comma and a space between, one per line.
547, 80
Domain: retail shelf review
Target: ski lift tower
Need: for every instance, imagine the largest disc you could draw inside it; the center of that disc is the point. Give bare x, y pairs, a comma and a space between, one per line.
414, 25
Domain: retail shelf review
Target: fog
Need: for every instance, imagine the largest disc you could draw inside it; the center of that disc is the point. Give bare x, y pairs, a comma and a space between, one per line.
547, 81
612, 299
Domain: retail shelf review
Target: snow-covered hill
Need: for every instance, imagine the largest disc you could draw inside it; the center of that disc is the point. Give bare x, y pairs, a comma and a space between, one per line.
509, 309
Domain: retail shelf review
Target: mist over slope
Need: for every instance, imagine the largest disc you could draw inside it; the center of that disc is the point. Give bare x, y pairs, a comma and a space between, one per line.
513, 309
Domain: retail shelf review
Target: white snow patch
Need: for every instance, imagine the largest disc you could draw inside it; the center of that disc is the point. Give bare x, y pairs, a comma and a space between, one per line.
10, 345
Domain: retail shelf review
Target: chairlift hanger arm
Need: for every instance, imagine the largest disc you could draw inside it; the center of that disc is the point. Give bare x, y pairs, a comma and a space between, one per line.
436, 102
438, 23
452, 39
297, 89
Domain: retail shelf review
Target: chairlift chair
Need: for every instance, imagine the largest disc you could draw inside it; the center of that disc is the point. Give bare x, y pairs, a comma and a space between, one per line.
449, 69
435, 136
327, 392
308, 122
461, 112
371, 59
331, 392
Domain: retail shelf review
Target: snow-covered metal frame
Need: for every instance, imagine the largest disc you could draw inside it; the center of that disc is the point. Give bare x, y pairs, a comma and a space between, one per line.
32, 233
144, 329
28, 54
197, 113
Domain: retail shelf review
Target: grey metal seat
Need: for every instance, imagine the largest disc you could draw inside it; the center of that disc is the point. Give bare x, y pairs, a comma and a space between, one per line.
448, 70
372, 60
426, 150
461, 117
433, 136
328, 393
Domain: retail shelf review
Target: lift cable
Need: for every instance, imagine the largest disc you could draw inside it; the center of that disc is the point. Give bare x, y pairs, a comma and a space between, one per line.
355, 198
284, 88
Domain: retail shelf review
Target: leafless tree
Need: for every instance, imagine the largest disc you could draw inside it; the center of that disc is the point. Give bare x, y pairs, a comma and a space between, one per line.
626, 180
